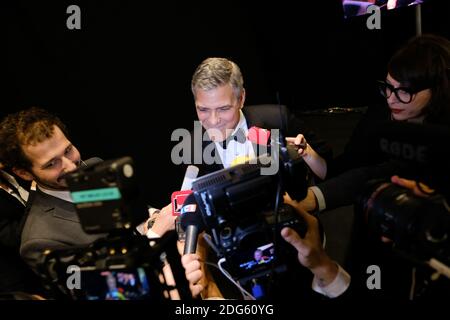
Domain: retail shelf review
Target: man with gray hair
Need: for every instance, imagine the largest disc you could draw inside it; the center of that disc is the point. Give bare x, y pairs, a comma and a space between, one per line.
219, 94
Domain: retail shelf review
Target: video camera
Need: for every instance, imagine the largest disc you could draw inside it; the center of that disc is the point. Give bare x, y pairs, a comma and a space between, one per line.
418, 226
242, 211
121, 265
106, 196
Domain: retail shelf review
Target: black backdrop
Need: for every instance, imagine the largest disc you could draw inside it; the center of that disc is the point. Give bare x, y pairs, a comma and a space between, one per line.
122, 82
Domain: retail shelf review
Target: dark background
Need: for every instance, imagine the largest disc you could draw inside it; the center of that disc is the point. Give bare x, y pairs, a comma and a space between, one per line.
122, 82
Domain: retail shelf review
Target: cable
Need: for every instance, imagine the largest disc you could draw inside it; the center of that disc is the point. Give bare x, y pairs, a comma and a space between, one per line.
413, 284
277, 219
245, 294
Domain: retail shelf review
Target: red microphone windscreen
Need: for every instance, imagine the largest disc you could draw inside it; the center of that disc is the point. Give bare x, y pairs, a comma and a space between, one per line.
259, 136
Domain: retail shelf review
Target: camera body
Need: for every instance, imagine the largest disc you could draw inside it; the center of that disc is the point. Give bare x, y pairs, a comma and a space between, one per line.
258, 250
105, 195
243, 213
115, 268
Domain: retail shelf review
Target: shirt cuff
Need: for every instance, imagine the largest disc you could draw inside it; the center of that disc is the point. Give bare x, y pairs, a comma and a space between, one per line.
152, 234
140, 228
337, 287
320, 198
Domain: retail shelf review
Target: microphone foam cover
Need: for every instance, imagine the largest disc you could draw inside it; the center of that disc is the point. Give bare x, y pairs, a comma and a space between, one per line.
191, 214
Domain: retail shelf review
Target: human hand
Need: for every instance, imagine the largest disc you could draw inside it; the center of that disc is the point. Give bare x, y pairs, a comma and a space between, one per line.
419, 189
192, 266
311, 253
165, 221
300, 142
315, 162
309, 203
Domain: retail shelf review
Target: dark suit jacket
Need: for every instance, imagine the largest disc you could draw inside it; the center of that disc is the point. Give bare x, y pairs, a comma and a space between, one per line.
52, 224
15, 275
270, 116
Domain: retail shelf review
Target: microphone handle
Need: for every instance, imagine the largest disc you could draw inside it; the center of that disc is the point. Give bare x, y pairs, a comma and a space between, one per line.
190, 244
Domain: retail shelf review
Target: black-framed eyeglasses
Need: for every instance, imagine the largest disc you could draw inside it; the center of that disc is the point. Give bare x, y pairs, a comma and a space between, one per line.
403, 94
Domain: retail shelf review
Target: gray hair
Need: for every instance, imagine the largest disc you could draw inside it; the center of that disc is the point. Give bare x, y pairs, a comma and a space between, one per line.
216, 72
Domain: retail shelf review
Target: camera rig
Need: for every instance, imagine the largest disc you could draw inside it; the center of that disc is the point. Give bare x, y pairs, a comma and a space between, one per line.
241, 209
105, 196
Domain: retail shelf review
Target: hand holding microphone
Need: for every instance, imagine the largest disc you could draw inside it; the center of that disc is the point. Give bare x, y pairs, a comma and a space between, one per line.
193, 271
262, 137
315, 162
164, 221
299, 142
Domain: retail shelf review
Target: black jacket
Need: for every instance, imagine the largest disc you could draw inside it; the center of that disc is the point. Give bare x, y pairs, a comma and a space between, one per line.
14, 273
363, 160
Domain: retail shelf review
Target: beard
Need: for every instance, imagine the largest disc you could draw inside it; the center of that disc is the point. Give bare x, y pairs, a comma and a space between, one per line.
58, 184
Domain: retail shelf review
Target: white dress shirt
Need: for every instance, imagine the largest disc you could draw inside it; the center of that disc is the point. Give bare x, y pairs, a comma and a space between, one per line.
20, 193
234, 148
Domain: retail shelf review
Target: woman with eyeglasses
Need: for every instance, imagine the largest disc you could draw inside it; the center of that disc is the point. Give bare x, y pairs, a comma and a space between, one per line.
417, 84
416, 89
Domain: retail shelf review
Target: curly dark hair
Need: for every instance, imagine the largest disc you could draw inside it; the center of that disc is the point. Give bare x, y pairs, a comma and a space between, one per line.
26, 127
425, 63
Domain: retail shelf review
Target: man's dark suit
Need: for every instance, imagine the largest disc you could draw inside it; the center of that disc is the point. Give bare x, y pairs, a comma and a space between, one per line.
52, 224
270, 116
15, 275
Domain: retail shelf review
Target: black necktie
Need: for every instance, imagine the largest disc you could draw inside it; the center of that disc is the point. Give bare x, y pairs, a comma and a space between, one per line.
238, 136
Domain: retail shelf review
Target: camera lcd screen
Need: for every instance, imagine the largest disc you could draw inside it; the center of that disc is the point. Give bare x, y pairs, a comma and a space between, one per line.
126, 284
259, 258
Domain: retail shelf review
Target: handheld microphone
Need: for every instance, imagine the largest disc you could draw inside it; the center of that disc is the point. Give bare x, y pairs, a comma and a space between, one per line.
262, 137
178, 197
189, 177
259, 136
192, 223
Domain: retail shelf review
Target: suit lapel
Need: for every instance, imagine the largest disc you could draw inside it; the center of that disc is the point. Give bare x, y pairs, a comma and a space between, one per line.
66, 210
